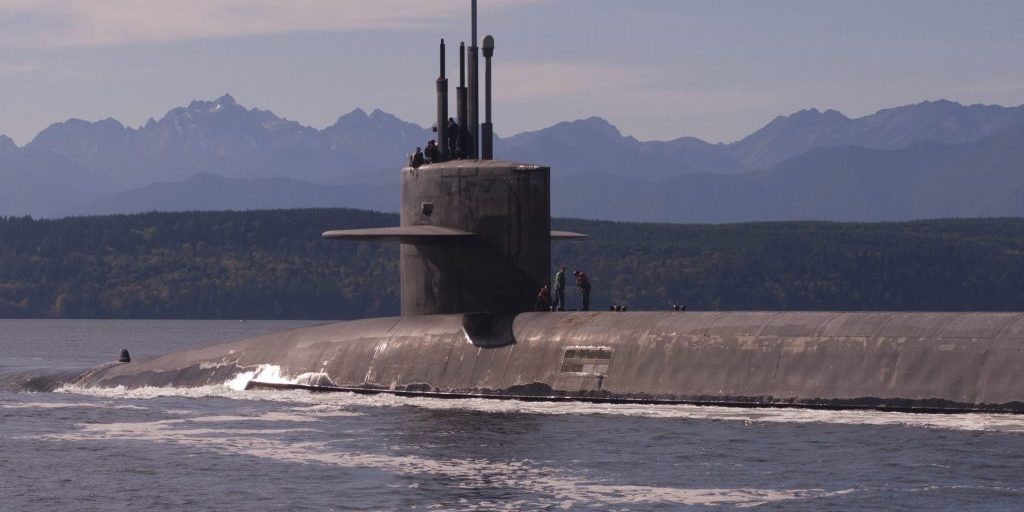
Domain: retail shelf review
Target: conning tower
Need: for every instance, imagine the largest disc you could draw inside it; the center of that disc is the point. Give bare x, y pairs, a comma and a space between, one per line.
495, 252
475, 233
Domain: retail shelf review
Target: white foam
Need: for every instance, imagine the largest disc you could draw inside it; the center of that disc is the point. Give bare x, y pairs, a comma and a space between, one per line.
213, 391
240, 381
557, 487
272, 374
235, 389
963, 422
70, 405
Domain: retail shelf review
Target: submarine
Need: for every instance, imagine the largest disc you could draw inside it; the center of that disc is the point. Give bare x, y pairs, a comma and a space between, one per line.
475, 246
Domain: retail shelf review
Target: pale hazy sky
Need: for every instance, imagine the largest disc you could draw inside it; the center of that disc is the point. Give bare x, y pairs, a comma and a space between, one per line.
657, 69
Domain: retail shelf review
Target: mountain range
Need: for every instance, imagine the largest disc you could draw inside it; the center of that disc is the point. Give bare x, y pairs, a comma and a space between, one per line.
931, 159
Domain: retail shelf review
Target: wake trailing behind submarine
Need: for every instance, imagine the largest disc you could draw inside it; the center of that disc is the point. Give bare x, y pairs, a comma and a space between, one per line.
475, 237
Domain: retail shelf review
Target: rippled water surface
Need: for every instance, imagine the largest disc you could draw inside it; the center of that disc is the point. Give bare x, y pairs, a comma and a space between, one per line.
216, 448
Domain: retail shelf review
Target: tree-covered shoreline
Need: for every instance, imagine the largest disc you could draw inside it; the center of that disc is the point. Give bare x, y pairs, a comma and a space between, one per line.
273, 264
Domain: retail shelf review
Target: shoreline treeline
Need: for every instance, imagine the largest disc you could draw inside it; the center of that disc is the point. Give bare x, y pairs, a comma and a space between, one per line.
273, 264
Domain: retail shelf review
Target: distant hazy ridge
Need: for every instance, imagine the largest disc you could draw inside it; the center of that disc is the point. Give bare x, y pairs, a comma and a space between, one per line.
932, 159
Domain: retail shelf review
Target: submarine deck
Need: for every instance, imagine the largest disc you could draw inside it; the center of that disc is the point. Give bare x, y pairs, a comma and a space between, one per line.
884, 360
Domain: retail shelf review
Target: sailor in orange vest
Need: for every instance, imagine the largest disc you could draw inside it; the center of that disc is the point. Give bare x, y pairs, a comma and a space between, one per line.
543, 299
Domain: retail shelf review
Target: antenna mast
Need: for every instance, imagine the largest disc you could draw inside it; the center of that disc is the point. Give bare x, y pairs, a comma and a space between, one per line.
474, 92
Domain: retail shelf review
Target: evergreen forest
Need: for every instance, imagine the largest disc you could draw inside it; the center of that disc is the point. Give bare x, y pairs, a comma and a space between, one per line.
272, 264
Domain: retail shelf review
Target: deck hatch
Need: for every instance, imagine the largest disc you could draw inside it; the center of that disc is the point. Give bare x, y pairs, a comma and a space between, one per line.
588, 360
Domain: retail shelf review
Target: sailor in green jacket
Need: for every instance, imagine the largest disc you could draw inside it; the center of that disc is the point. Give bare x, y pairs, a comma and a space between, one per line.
559, 304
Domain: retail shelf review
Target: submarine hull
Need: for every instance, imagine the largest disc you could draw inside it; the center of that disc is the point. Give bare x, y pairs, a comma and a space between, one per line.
942, 362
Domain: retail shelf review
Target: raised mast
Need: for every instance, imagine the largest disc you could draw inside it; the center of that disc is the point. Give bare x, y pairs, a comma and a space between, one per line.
473, 112
442, 109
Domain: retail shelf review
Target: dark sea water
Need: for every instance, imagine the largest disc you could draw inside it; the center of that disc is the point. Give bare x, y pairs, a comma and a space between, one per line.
218, 448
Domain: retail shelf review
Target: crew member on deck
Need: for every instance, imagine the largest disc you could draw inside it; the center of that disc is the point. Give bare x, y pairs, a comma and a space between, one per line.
559, 304
543, 299
452, 133
416, 159
432, 153
583, 283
